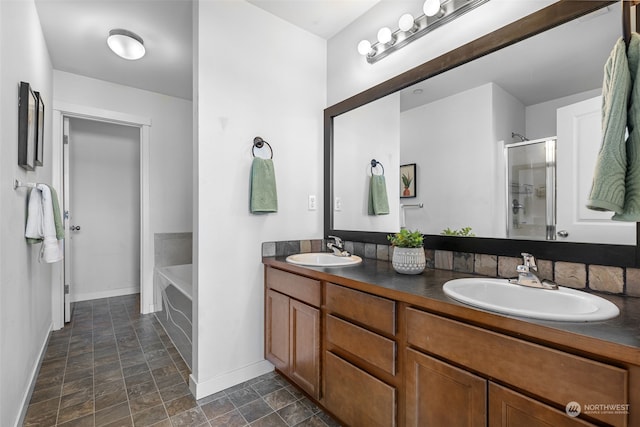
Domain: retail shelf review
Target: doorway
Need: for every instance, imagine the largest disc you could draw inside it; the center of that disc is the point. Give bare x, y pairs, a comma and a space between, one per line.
142, 126
102, 210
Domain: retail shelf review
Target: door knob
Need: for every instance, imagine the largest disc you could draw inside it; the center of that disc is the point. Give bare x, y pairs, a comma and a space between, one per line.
74, 228
563, 233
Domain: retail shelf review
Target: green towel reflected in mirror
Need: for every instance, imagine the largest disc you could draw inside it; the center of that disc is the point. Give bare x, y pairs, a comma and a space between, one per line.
378, 202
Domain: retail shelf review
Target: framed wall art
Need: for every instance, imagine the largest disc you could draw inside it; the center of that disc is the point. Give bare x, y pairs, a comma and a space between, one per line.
408, 180
39, 131
27, 127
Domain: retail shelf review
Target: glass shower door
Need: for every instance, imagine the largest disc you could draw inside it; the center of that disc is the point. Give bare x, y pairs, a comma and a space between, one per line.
531, 189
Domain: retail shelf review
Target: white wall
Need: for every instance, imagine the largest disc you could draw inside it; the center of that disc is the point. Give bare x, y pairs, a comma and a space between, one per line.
25, 284
349, 73
269, 82
541, 118
458, 128
170, 147
366, 133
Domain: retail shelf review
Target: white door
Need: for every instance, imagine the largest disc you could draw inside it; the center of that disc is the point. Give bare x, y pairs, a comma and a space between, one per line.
102, 198
579, 140
67, 231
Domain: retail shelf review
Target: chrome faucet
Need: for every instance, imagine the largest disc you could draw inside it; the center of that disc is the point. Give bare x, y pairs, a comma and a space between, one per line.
527, 278
337, 246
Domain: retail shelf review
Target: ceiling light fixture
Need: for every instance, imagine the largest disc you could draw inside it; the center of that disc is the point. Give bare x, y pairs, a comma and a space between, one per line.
126, 44
436, 14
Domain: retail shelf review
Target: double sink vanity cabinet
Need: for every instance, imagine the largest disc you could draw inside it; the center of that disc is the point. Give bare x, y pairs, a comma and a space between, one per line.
375, 348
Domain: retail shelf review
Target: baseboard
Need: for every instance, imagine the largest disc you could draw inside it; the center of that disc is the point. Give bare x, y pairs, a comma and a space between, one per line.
229, 379
76, 297
34, 376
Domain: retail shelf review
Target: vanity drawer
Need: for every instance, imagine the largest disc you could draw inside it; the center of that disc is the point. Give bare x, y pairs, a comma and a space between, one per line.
369, 310
368, 346
298, 287
357, 398
548, 373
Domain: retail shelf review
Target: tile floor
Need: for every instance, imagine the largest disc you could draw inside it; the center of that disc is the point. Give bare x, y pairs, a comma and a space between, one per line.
112, 366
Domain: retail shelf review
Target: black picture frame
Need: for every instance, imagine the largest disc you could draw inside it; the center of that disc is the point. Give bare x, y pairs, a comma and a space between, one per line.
39, 150
408, 175
27, 116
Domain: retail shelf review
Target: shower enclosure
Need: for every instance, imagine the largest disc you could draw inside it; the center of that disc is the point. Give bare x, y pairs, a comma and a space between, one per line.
531, 189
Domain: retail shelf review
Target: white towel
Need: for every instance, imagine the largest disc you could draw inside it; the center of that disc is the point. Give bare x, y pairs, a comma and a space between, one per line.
41, 224
51, 246
35, 216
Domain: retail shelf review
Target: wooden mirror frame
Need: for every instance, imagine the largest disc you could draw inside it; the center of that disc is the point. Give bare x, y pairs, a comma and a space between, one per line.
547, 18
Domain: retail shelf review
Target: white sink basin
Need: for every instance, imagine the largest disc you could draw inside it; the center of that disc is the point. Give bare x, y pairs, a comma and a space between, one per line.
564, 304
323, 259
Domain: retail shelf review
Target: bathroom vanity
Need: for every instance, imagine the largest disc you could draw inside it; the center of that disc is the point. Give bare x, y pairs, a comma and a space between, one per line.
376, 348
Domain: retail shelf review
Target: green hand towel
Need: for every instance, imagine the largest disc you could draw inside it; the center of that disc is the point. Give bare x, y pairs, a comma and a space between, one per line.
378, 203
263, 196
631, 211
57, 219
608, 188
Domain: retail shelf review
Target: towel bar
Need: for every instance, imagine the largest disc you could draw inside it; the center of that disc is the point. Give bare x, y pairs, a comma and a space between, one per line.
17, 184
375, 163
259, 143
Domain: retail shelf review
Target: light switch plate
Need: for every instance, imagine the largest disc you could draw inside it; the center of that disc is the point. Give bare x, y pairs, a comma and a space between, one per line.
313, 205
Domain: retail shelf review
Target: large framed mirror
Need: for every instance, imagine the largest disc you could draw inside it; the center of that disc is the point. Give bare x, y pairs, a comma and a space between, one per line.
467, 119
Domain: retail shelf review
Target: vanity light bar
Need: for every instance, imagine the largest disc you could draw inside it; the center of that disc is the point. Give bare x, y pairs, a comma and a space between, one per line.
449, 10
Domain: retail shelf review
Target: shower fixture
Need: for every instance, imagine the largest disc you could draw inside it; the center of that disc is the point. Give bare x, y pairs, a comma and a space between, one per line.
522, 138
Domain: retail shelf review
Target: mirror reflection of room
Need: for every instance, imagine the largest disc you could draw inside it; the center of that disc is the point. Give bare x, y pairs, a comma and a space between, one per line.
455, 127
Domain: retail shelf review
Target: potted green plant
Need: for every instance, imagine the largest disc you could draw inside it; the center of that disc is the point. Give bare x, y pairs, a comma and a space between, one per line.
408, 252
464, 232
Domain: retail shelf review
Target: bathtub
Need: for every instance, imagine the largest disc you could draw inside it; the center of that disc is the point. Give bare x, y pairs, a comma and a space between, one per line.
179, 276
174, 284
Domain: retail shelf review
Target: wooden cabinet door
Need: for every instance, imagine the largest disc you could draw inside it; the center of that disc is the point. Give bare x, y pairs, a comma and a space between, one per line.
438, 394
510, 409
304, 332
355, 397
277, 330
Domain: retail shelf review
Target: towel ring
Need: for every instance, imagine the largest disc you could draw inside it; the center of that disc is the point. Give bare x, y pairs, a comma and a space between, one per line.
259, 143
375, 163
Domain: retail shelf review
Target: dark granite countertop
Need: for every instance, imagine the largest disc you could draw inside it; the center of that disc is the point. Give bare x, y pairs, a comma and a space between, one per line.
617, 338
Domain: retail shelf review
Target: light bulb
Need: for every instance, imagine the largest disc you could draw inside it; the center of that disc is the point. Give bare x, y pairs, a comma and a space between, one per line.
384, 35
431, 7
406, 22
364, 47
